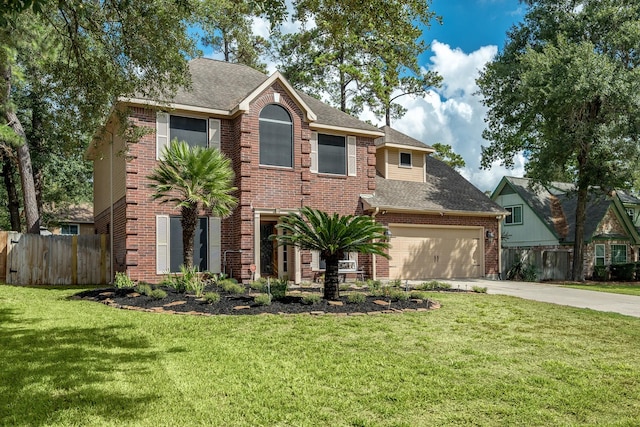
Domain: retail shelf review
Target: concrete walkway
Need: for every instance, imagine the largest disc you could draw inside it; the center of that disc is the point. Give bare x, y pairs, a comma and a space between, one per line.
556, 294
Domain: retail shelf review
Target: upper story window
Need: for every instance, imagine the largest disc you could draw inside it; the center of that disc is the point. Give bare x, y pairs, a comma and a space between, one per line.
332, 154
189, 129
632, 213
276, 137
405, 159
201, 132
515, 217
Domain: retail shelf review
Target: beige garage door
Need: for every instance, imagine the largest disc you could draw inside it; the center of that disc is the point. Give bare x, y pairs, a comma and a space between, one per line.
435, 253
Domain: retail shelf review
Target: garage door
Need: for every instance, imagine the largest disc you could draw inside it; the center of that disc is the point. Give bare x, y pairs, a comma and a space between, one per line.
435, 252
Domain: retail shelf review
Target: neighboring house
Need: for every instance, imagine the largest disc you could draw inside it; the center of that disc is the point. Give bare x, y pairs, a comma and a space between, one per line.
288, 150
72, 220
544, 219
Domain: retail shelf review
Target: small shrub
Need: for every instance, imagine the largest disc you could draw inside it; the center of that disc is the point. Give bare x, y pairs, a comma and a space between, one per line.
212, 297
175, 282
344, 287
396, 283
192, 280
623, 272
121, 281
231, 287
419, 295
398, 295
311, 299
262, 299
374, 285
143, 289
259, 285
521, 271
157, 294
356, 298
279, 288
600, 272
360, 283
479, 289
433, 285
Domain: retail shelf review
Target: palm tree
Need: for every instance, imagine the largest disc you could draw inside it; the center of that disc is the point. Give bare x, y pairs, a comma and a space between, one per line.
333, 237
193, 178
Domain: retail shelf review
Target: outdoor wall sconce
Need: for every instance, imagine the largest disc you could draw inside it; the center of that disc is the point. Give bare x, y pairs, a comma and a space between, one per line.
490, 236
387, 234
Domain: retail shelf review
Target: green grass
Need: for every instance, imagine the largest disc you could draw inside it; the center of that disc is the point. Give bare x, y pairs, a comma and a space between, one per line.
617, 288
479, 360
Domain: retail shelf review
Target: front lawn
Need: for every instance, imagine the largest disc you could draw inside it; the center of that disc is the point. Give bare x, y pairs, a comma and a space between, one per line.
479, 360
614, 288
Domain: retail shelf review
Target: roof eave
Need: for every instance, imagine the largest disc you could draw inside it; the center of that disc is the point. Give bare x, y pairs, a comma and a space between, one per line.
345, 129
405, 147
400, 209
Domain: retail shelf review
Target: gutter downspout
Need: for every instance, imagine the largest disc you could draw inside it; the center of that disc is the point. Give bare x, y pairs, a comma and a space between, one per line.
112, 228
373, 257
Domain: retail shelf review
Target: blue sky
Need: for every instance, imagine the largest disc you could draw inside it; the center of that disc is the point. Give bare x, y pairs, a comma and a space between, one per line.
471, 34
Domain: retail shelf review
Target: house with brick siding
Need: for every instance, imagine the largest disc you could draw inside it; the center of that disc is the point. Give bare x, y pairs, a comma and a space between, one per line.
542, 219
287, 150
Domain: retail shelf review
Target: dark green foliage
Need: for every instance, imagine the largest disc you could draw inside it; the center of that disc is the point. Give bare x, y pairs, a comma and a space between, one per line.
623, 272
192, 178
278, 288
143, 289
564, 91
522, 271
332, 236
600, 272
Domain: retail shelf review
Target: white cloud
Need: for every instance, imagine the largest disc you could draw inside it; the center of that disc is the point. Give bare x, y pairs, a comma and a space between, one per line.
454, 114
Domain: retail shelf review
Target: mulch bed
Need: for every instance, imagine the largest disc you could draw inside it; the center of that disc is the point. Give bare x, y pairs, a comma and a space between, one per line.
181, 303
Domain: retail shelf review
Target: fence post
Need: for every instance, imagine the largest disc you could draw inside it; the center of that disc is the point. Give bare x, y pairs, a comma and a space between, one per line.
103, 258
4, 259
74, 260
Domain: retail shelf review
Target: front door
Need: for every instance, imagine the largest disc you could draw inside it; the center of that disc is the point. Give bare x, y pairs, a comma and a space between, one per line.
268, 250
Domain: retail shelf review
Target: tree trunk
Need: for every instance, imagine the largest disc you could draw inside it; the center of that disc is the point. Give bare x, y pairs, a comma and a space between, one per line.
577, 272
8, 172
24, 157
189, 221
331, 285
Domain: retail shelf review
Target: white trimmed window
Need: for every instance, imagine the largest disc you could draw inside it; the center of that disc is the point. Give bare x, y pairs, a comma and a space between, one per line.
70, 229
405, 159
333, 154
195, 131
600, 255
206, 244
276, 137
515, 217
618, 254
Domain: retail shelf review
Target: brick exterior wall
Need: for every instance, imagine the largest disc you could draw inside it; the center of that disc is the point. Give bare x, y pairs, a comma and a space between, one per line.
260, 188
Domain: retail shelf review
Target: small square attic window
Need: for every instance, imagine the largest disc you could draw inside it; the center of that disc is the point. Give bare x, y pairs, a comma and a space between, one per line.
405, 160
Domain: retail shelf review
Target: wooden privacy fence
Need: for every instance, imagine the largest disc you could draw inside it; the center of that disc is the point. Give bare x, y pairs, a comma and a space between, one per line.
31, 259
549, 264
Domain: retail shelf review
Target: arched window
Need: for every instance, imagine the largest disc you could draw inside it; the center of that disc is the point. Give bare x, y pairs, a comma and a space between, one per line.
276, 137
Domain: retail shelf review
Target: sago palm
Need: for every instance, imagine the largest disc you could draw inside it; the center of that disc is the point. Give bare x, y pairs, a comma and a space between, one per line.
193, 178
332, 236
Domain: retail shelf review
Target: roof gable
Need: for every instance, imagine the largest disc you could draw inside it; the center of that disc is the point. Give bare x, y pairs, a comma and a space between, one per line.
396, 139
226, 89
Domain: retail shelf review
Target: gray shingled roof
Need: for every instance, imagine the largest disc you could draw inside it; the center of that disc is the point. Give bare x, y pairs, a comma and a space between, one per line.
445, 190
222, 85
392, 136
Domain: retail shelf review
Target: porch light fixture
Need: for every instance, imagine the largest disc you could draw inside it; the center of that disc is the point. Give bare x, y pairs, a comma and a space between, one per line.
387, 234
490, 236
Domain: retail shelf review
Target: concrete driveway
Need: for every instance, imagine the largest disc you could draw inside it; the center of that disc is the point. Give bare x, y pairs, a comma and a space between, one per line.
556, 294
